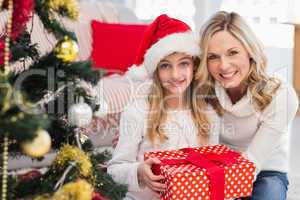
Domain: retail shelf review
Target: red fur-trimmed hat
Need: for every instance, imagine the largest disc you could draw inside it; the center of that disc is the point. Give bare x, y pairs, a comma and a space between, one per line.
162, 37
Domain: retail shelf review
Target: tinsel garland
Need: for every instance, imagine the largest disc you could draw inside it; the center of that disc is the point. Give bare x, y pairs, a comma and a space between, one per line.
89, 167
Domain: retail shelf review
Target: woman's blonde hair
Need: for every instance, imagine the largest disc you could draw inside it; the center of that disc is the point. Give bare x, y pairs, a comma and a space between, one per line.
261, 86
158, 116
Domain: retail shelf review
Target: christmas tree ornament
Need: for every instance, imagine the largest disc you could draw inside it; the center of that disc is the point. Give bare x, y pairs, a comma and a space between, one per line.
97, 196
39, 146
80, 114
66, 50
70, 7
29, 176
79, 190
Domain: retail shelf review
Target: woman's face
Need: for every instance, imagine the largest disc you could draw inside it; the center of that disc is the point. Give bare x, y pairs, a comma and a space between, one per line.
175, 73
228, 61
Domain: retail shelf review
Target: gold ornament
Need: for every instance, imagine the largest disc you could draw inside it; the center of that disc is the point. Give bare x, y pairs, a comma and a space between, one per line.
66, 50
70, 7
79, 190
39, 146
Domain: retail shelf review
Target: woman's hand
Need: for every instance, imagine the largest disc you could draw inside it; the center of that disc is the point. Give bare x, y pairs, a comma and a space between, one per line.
147, 177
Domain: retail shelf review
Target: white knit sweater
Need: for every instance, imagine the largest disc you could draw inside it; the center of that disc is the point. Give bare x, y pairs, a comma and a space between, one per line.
262, 136
132, 144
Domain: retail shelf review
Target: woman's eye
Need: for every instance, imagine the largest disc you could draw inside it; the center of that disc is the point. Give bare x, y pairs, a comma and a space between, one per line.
232, 53
212, 57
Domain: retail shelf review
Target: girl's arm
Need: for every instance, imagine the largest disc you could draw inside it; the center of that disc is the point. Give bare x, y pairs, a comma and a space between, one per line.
123, 165
273, 129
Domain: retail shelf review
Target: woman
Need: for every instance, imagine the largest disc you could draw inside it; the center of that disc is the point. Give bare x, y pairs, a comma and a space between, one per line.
256, 108
167, 117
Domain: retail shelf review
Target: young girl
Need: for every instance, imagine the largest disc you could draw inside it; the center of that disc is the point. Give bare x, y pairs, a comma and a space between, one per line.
257, 109
170, 116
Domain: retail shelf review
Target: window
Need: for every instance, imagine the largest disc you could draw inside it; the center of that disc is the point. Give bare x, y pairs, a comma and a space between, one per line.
267, 18
293, 14
181, 9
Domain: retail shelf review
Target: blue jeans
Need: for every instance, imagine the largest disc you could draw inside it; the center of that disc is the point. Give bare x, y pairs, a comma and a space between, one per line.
269, 185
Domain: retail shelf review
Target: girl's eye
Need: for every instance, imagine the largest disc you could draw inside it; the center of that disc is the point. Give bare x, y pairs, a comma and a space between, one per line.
185, 63
164, 66
232, 53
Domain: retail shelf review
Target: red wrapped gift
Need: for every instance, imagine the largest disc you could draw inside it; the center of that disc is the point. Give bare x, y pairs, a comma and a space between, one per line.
209, 172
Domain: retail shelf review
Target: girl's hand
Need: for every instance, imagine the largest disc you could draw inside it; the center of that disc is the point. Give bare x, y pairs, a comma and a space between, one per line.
147, 177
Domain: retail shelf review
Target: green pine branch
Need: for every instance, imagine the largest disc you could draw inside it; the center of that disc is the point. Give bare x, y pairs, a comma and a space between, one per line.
50, 23
23, 48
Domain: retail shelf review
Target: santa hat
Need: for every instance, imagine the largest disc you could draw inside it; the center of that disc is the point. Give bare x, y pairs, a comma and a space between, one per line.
162, 37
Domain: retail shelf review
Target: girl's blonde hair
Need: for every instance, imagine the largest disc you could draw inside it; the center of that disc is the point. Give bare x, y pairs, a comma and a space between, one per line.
261, 86
158, 116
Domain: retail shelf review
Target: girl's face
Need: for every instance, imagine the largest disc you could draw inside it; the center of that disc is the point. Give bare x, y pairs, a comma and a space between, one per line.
228, 61
175, 72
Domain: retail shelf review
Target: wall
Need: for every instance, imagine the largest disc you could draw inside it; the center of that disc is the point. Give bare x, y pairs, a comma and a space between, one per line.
297, 61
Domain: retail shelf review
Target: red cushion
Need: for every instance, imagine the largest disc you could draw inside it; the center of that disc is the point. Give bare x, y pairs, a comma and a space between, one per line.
115, 45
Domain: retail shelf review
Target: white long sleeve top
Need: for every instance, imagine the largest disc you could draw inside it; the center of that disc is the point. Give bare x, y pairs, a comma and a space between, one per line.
262, 136
179, 128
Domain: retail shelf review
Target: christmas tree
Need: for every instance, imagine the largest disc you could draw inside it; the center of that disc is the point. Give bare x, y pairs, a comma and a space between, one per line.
35, 117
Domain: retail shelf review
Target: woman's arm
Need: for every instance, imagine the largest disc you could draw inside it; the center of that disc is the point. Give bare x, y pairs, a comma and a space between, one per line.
273, 129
